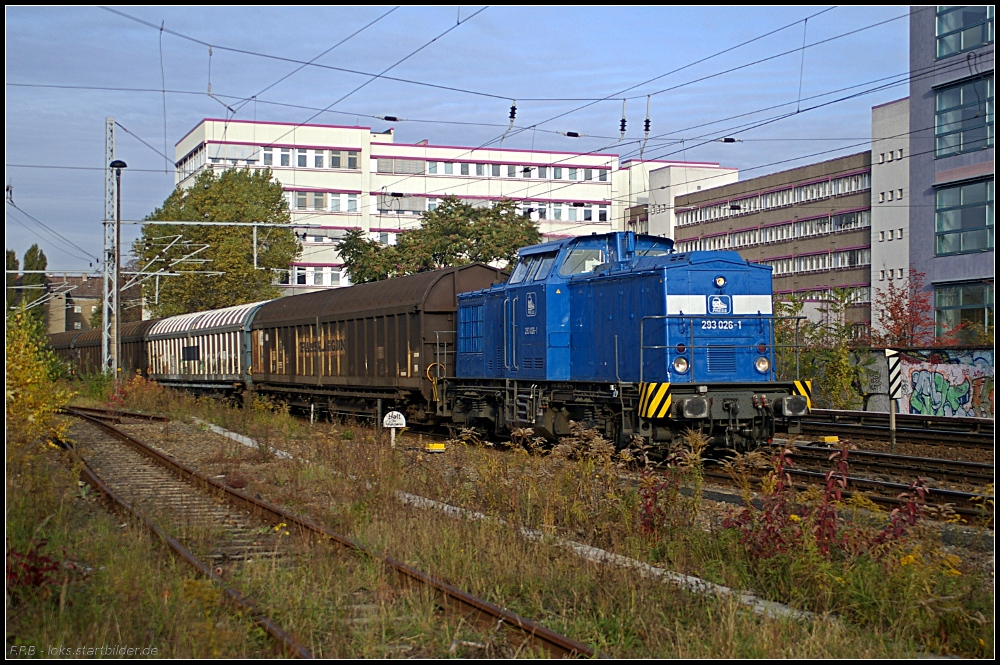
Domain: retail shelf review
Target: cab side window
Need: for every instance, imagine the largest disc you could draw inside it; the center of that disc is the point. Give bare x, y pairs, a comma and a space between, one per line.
582, 260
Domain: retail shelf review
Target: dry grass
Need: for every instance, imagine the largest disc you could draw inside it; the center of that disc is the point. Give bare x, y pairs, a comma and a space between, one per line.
888, 609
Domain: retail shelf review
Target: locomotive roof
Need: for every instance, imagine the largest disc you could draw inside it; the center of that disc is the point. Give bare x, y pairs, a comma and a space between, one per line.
390, 295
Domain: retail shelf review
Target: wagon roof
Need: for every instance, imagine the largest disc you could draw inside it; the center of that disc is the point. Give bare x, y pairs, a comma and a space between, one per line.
412, 291
229, 317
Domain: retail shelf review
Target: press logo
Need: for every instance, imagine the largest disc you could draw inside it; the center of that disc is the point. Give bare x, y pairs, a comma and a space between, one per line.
719, 305
531, 304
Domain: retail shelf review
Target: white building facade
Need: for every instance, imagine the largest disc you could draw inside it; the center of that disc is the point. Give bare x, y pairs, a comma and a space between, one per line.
340, 178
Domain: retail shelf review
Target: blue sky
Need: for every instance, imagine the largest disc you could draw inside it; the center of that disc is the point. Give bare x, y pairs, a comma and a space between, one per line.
511, 52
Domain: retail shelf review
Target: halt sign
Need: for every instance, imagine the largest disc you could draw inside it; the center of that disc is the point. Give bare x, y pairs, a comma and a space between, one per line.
394, 419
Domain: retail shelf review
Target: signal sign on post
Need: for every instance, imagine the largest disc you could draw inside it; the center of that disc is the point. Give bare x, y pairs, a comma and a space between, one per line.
895, 373
394, 420
895, 388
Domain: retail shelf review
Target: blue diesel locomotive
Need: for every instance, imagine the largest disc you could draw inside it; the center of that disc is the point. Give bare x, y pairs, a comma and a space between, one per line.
621, 332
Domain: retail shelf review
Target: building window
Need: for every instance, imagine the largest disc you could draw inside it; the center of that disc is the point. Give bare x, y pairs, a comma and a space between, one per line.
588, 174
557, 173
961, 29
464, 168
300, 275
318, 160
432, 204
602, 214
352, 159
588, 214
495, 170
963, 121
963, 305
319, 201
572, 174
432, 168
602, 175
352, 203
268, 157
511, 170
334, 202
449, 168
286, 156
303, 156
480, 169
335, 159
964, 218
543, 172
300, 200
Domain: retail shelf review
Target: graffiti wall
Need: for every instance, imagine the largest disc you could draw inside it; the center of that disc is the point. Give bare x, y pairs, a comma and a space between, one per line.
936, 382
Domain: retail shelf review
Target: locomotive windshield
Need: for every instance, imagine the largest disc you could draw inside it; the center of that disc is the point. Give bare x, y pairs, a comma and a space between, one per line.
532, 268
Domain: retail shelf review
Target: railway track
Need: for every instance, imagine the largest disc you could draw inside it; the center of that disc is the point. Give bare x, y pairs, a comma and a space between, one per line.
239, 527
883, 493
931, 430
977, 473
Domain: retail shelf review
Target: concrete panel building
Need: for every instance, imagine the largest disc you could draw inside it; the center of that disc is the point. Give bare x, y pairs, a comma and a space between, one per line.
890, 196
341, 178
952, 162
651, 186
811, 224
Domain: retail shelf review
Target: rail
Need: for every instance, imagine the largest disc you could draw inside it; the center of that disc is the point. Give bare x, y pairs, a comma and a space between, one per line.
688, 321
484, 611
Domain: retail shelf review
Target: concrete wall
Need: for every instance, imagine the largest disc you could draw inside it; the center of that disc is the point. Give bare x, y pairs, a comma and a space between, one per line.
936, 382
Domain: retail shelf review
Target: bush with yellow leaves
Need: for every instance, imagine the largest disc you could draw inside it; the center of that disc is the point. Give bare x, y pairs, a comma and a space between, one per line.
32, 397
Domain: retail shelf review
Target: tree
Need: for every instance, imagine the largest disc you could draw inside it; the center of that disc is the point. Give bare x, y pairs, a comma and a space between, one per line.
453, 234
904, 314
12, 264
237, 195
33, 283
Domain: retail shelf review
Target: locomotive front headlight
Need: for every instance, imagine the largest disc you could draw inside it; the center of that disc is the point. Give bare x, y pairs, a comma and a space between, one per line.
720, 281
762, 364
680, 364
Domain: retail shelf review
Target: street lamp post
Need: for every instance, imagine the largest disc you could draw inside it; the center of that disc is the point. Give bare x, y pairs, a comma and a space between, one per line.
118, 165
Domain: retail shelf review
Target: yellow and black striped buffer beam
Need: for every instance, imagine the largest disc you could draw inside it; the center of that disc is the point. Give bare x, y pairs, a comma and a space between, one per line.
805, 388
654, 400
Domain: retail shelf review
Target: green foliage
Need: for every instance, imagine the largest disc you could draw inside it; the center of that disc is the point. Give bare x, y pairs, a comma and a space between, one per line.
453, 234
12, 264
237, 195
828, 352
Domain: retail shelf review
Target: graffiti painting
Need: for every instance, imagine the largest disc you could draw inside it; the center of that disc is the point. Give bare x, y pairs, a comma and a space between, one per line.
948, 382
